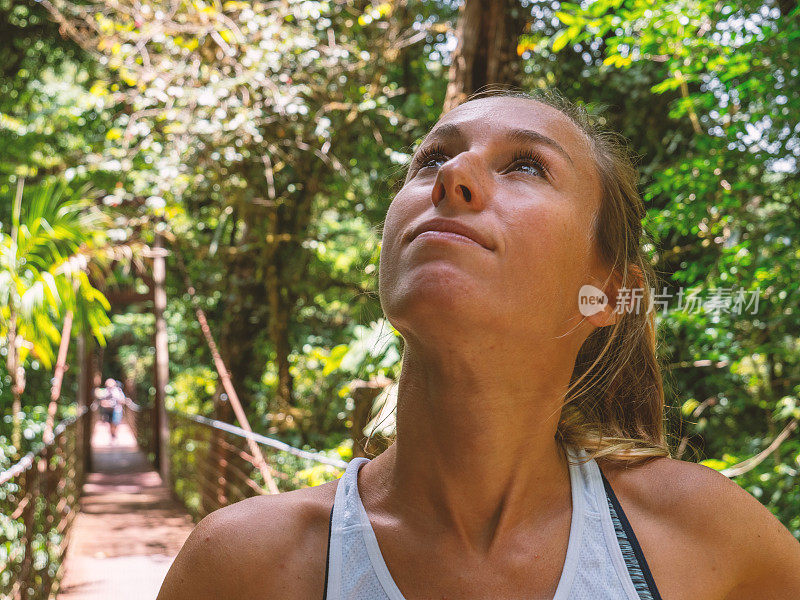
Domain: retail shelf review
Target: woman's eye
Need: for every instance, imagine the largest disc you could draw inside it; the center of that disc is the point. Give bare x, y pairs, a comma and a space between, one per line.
431, 157
528, 167
528, 164
432, 160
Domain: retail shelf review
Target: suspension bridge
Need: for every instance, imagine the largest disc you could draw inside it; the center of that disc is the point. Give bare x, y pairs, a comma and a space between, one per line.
88, 517
106, 524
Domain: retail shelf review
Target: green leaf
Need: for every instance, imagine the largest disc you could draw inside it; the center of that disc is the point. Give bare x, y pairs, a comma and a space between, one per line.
666, 85
714, 463
566, 18
688, 407
561, 40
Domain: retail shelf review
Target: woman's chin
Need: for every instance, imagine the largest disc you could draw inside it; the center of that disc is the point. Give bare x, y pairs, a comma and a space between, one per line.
442, 293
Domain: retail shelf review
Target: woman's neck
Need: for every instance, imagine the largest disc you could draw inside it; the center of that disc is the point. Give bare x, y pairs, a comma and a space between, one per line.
476, 453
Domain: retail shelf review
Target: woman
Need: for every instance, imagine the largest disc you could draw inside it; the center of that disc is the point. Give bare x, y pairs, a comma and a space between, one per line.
110, 407
510, 206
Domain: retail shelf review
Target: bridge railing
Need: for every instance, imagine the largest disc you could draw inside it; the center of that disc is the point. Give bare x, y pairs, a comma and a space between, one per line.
211, 466
211, 463
140, 420
38, 502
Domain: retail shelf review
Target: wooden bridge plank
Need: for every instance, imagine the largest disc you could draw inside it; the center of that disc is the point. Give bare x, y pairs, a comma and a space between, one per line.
129, 528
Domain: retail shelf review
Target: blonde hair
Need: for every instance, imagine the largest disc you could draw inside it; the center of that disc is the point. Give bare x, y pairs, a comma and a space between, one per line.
614, 405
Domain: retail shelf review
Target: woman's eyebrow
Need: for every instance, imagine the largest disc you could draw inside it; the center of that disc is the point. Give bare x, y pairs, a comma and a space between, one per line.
451, 132
528, 136
446, 132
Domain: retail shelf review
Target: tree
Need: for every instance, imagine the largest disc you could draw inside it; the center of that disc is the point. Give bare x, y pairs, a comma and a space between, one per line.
721, 177
244, 105
488, 34
43, 261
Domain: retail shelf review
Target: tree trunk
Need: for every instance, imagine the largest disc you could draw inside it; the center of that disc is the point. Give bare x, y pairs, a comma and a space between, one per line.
58, 377
240, 325
363, 394
161, 367
280, 313
12, 364
288, 263
85, 397
242, 314
786, 6
488, 33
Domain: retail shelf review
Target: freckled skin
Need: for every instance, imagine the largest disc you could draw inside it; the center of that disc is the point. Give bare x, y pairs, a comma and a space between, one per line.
473, 499
541, 226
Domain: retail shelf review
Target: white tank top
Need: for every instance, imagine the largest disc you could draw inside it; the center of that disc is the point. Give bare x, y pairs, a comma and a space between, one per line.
594, 569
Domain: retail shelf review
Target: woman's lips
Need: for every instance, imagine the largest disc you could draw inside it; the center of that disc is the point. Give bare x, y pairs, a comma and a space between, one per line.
446, 236
451, 230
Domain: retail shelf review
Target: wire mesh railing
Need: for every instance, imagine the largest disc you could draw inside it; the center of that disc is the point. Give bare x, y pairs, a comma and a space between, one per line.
38, 502
140, 420
211, 463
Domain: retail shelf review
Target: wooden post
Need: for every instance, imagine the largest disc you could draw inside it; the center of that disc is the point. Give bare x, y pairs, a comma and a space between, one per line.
161, 426
26, 575
85, 398
13, 366
58, 378
222, 410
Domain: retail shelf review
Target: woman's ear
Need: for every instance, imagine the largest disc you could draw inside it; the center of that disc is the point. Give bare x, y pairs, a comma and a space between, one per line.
602, 305
606, 306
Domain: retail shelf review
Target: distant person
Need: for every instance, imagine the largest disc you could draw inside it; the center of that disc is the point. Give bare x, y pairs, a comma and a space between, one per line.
111, 399
530, 458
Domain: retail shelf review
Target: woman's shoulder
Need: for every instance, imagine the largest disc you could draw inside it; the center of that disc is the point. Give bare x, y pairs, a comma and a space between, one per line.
692, 520
266, 546
673, 485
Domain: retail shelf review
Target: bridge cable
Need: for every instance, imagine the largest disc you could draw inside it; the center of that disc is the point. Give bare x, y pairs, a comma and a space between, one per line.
225, 379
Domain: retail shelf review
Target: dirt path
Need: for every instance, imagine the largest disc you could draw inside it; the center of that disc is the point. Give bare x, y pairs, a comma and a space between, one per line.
128, 530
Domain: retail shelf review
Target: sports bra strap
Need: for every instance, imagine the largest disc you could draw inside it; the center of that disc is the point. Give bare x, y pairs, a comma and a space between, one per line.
328, 556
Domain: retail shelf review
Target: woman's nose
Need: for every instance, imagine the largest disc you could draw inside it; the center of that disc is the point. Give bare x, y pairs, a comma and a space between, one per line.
461, 180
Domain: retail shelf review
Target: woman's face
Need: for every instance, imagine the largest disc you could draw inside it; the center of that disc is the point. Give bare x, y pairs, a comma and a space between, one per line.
521, 175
